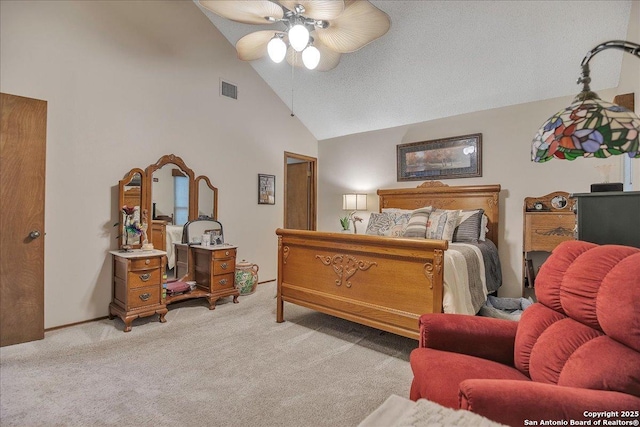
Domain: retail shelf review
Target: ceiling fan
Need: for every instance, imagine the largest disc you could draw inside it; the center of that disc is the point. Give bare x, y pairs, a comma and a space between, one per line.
315, 34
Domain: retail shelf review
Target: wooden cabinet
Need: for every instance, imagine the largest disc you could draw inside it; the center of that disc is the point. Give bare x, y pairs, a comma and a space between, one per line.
548, 221
137, 285
212, 268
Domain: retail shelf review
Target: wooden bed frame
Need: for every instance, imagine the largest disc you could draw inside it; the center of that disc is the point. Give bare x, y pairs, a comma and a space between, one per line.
382, 282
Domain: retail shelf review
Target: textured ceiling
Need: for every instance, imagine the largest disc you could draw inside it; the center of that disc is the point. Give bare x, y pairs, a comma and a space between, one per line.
444, 58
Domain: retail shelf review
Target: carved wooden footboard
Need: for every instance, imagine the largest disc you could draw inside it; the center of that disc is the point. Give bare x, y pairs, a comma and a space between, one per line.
382, 282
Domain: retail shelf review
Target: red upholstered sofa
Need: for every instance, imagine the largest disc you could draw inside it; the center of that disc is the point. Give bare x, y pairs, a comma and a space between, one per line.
574, 353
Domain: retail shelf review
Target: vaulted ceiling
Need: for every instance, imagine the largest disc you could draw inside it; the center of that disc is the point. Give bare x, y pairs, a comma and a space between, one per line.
445, 58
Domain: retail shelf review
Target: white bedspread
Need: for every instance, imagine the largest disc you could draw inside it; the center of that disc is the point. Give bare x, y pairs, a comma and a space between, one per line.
173, 235
457, 297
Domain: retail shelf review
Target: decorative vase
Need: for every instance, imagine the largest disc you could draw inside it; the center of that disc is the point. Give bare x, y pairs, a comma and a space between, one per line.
246, 278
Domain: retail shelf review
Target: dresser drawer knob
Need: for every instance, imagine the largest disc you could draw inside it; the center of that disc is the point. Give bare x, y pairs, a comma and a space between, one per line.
223, 282
145, 296
144, 277
148, 261
227, 253
224, 265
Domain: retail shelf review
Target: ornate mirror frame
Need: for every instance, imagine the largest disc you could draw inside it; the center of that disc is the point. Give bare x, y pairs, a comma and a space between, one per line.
198, 196
157, 229
175, 160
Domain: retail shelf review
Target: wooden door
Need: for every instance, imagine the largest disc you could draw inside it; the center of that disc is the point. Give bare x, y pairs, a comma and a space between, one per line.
300, 198
22, 183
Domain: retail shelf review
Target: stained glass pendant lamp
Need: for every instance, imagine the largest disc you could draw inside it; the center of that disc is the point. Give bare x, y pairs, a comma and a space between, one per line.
590, 127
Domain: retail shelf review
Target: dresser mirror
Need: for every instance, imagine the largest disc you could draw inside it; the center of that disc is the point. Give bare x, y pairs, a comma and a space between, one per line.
130, 194
171, 196
206, 198
171, 191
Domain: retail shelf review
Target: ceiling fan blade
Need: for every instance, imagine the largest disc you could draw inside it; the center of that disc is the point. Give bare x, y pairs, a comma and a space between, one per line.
317, 9
245, 11
359, 24
329, 59
254, 45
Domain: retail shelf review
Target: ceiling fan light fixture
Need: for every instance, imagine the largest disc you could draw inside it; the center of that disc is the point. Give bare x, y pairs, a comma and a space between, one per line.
311, 57
299, 37
276, 48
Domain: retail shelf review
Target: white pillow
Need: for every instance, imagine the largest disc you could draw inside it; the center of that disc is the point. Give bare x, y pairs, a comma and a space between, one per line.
483, 228
441, 224
388, 223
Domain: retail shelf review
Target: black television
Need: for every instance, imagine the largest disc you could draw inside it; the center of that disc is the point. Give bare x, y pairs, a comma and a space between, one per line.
609, 217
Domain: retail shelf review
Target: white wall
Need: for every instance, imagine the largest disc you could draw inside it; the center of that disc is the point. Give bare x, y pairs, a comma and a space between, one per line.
127, 82
366, 162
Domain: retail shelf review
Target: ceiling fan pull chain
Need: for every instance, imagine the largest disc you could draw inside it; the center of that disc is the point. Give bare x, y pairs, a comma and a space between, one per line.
293, 66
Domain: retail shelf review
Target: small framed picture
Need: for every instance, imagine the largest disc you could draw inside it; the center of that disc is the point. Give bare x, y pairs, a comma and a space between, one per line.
266, 189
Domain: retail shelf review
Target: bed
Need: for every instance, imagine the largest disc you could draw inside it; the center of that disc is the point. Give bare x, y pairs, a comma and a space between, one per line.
382, 282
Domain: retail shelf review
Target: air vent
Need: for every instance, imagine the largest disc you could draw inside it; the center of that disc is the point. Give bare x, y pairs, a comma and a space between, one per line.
228, 89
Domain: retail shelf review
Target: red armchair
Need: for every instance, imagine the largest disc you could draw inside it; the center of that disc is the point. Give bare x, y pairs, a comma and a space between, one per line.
574, 352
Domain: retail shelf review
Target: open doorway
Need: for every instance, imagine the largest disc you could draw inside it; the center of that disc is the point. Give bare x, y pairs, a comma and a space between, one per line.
300, 177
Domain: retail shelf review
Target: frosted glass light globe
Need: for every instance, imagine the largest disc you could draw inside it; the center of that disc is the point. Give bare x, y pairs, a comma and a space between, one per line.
277, 49
311, 57
298, 37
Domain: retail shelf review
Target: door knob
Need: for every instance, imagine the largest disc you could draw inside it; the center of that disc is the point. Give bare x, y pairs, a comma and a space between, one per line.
34, 234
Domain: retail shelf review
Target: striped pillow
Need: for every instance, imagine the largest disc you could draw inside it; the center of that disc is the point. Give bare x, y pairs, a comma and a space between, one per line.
417, 226
468, 229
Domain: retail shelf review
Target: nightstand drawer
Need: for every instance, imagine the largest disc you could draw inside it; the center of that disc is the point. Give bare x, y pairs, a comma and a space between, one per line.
224, 266
142, 297
224, 253
138, 279
546, 230
222, 282
145, 263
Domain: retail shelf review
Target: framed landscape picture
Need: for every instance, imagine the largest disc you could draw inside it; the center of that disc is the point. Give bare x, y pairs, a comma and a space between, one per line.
266, 189
457, 157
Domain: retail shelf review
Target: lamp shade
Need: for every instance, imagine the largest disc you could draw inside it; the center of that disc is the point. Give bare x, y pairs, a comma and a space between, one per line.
588, 128
277, 49
354, 202
311, 57
298, 37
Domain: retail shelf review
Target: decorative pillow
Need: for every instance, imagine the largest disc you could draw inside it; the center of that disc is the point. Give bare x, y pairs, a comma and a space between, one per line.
483, 228
441, 224
468, 229
388, 223
417, 226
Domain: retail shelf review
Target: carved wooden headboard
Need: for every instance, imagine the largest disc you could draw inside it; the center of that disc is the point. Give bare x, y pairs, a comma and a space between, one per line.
443, 196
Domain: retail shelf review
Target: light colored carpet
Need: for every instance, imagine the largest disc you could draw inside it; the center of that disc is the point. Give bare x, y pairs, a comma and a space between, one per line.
233, 366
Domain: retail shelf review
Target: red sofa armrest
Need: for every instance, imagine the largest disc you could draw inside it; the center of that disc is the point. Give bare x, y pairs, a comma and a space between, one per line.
512, 402
484, 337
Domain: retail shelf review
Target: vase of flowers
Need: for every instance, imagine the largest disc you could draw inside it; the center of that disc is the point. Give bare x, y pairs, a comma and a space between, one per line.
347, 220
131, 227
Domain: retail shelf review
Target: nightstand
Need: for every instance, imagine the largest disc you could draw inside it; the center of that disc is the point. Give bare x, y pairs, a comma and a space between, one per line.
548, 221
137, 285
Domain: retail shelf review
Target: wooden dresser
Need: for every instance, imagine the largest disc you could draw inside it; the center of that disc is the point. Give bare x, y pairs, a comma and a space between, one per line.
548, 221
212, 268
137, 285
